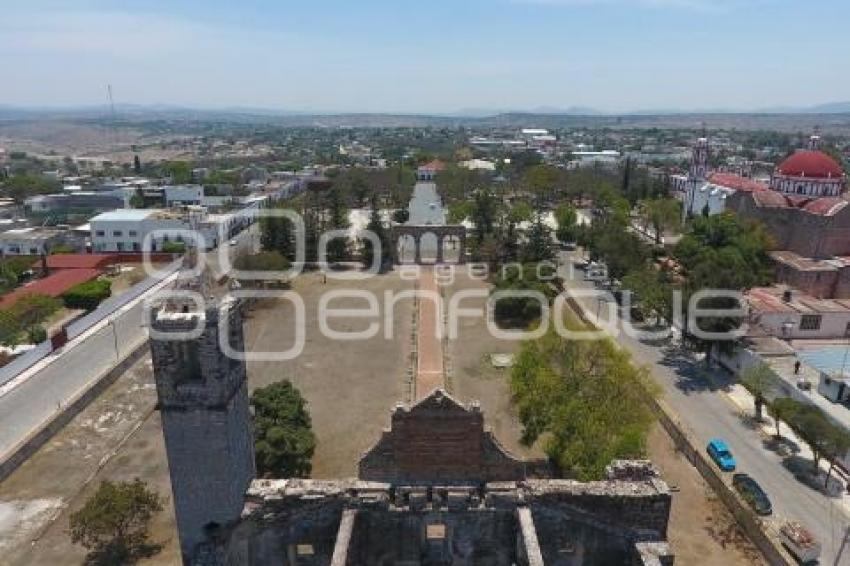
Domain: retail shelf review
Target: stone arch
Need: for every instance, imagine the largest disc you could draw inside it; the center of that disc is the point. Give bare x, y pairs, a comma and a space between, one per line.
452, 248
429, 247
405, 248
436, 235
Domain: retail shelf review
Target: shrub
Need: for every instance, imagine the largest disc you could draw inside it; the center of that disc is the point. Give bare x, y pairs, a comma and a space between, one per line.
174, 247
37, 334
88, 295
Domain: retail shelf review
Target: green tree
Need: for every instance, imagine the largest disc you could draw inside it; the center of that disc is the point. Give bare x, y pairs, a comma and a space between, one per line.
337, 249
539, 245
652, 294
376, 226
662, 214
566, 218
813, 427
137, 165
723, 252
584, 399
519, 312
138, 199
459, 211
484, 214
401, 215
113, 523
283, 436
759, 381
783, 409
521, 212
180, 172
277, 234
21, 186
541, 181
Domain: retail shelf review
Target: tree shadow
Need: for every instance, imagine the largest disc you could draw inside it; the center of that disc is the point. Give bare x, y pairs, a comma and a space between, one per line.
691, 374
804, 473
115, 553
781, 445
749, 420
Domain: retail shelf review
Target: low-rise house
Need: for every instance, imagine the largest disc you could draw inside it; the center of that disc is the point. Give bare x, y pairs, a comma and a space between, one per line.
37, 241
786, 313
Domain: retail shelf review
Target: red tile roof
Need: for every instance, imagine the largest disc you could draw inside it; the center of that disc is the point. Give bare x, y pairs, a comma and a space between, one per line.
826, 206
736, 182
770, 199
52, 285
435, 165
79, 261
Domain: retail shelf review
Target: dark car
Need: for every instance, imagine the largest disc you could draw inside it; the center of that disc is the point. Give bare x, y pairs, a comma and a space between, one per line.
752, 493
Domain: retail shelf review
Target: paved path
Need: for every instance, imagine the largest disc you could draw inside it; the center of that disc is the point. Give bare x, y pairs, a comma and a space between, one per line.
429, 375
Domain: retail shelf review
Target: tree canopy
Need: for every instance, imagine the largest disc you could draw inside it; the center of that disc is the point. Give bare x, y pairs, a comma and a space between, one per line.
584, 399
113, 523
283, 436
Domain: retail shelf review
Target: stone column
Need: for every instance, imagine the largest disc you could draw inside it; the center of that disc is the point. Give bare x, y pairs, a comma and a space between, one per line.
461, 253
439, 249
417, 258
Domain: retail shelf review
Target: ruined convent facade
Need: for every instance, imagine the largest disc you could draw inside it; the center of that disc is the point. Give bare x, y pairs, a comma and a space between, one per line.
436, 488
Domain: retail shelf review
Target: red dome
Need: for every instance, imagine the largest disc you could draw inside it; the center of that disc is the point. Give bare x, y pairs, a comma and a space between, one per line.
814, 164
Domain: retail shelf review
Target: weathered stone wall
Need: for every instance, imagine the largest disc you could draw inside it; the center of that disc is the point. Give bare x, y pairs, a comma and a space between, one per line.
799, 231
297, 521
435, 441
206, 420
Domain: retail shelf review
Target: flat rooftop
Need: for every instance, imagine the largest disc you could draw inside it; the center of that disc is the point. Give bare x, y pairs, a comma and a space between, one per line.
772, 300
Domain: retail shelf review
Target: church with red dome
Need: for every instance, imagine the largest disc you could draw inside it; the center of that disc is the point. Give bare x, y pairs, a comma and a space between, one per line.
809, 173
806, 206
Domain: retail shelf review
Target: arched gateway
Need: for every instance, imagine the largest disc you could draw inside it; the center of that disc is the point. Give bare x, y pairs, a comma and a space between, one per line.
427, 223
445, 233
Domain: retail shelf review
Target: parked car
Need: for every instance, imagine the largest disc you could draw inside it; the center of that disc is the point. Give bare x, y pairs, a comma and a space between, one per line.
721, 454
752, 493
800, 542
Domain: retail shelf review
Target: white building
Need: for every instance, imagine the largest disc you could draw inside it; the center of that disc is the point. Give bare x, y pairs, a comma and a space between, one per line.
137, 230
478, 165
176, 195
608, 157
36, 241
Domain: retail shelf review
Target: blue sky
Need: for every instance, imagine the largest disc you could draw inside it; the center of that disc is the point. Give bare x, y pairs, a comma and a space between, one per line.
435, 56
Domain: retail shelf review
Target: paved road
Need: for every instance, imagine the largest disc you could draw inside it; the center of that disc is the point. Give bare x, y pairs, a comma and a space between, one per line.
31, 400
708, 412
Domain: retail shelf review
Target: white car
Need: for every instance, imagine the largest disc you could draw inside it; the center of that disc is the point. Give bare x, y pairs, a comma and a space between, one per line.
234, 242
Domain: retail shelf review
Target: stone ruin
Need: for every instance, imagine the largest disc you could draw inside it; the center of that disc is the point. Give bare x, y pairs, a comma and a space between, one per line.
435, 489
438, 489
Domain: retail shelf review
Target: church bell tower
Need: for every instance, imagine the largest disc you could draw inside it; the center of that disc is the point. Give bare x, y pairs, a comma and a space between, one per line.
206, 419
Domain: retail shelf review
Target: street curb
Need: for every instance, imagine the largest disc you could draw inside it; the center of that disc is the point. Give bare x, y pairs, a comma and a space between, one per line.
40, 436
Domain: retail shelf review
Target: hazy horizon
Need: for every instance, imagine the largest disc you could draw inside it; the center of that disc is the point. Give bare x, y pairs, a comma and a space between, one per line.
613, 56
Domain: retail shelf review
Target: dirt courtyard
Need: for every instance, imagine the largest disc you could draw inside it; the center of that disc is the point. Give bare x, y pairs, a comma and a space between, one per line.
351, 388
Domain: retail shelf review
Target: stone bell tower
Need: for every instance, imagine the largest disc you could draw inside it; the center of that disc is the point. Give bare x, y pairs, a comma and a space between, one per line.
206, 420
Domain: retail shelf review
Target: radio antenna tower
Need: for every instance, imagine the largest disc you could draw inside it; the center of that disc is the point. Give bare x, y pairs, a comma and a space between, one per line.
113, 125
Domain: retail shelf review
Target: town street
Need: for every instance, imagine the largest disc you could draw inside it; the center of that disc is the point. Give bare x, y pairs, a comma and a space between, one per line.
697, 395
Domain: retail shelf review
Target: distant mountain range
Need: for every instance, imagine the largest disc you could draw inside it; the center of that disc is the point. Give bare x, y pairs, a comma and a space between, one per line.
11, 111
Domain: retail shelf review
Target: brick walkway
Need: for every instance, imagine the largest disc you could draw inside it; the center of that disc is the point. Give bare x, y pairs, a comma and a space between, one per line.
429, 365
